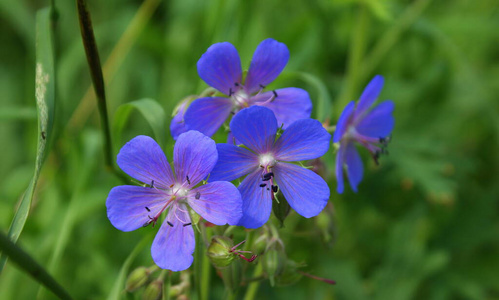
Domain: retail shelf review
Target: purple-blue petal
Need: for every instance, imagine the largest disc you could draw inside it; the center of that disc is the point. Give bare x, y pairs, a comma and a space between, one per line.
379, 122
340, 161
233, 162
206, 115
291, 104
143, 159
369, 95
173, 246
177, 126
255, 127
343, 122
304, 139
220, 67
129, 206
355, 169
268, 61
194, 155
218, 202
257, 201
306, 192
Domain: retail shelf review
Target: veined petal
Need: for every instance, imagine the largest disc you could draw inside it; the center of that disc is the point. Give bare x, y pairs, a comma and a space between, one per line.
220, 67
177, 126
355, 169
304, 139
194, 155
306, 192
257, 201
343, 121
291, 104
233, 162
379, 122
218, 202
129, 207
255, 127
143, 159
206, 115
369, 95
268, 61
340, 161
173, 246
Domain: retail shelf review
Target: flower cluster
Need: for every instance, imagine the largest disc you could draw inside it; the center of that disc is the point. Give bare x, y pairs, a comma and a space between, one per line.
270, 132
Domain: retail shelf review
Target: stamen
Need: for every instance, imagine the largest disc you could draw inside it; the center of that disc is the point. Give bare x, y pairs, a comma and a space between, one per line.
188, 181
147, 208
198, 195
168, 222
186, 224
152, 184
275, 188
267, 176
275, 93
263, 184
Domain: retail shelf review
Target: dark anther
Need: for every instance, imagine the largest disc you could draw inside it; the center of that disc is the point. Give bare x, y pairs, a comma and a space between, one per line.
152, 183
168, 222
43, 134
233, 113
186, 224
147, 208
275, 93
268, 189
263, 184
230, 92
198, 195
146, 224
267, 176
171, 185
275, 188
262, 86
188, 181
236, 83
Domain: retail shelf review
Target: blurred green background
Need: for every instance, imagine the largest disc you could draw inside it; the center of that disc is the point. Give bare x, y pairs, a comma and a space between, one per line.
424, 225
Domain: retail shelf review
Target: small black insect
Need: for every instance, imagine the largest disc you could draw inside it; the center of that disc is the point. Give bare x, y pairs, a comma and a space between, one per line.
43, 134
147, 208
186, 224
198, 195
168, 222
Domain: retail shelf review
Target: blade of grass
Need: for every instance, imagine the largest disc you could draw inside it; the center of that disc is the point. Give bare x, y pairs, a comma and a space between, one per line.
45, 103
28, 264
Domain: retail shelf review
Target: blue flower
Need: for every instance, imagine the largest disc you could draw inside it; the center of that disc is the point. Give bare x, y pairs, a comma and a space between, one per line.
267, 163
220, 67
131, 207
370, 128
177, 125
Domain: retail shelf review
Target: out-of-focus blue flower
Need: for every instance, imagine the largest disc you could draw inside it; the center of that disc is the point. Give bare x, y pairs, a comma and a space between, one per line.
177, 126
370, 128
220, 67
267, 163
131, 207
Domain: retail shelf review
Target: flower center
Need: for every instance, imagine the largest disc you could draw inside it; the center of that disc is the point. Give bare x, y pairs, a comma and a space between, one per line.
267, 160
240, 98
180, 191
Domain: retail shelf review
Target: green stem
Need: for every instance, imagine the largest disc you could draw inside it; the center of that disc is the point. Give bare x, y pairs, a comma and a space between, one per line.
28, 264
253, 287
198, 263
166, 286
88, 38
356, 53
205, 269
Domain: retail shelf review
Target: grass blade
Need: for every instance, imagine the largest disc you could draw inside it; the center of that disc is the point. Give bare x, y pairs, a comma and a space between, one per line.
45, 103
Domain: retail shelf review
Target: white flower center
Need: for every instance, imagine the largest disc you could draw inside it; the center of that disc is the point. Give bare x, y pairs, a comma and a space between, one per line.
267, 160
240, 98
180, 191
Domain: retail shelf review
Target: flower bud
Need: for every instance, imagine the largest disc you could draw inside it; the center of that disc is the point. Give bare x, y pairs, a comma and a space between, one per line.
153, 291
219, 251
137, 279
274, 261
290, 274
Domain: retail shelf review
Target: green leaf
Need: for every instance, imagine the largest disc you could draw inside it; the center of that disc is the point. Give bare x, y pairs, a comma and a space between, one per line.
281, 210
152, 112
45, 102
